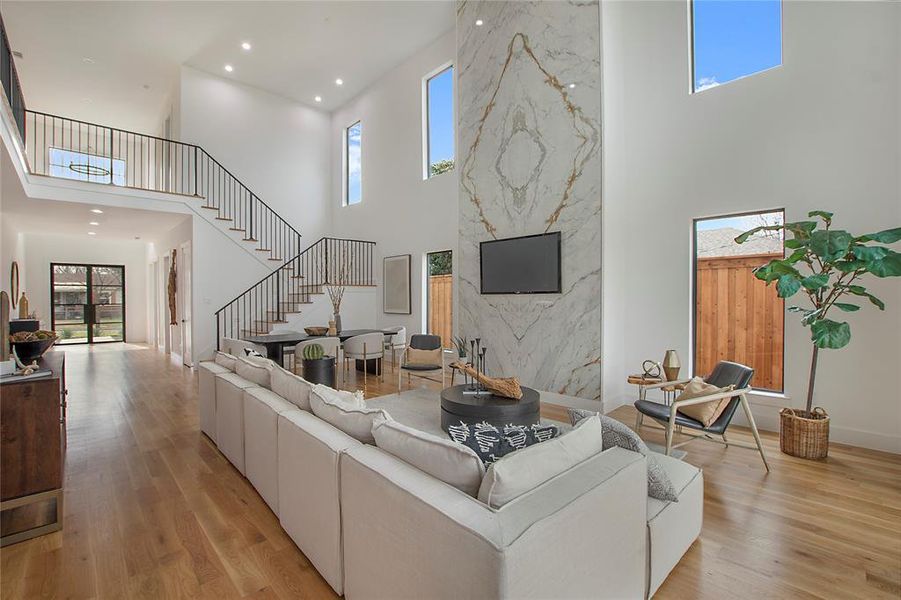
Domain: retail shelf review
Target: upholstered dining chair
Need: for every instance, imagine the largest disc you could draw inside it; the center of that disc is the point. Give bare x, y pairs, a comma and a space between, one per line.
422, 341
396, 342
331, 346
724, 374
365, 347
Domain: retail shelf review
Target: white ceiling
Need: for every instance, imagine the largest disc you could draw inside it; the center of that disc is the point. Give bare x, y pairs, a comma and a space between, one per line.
298, 50
31, 215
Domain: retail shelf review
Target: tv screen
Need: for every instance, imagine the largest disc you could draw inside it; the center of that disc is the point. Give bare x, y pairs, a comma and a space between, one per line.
522, 265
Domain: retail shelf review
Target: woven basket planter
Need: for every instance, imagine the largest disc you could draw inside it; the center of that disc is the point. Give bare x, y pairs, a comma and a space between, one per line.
804, 434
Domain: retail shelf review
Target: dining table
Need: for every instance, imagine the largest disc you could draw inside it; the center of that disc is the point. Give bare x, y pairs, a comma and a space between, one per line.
275, 343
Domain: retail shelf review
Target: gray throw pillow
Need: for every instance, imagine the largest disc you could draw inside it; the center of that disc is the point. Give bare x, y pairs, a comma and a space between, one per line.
616, 434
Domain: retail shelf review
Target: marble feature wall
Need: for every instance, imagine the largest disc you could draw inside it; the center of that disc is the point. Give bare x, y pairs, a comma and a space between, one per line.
529, 156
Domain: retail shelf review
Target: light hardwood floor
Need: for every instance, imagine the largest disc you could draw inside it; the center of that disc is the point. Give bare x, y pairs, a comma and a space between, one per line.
154, 511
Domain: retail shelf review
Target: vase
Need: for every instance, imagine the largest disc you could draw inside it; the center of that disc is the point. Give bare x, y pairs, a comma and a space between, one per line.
671, 365
338, 322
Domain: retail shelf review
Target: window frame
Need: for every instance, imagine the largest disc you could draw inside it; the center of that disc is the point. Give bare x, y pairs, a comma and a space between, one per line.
426, 149
692, 362
345, 153
691, 52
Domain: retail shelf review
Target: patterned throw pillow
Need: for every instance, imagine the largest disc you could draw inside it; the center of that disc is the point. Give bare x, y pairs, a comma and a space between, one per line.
491, 443
616, 434
252, 352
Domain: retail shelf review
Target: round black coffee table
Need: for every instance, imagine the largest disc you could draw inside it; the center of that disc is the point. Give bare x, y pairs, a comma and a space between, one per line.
457, 406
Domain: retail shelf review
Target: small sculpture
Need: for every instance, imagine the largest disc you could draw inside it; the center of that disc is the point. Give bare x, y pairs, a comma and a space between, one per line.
506, 387
651, 369
23, 307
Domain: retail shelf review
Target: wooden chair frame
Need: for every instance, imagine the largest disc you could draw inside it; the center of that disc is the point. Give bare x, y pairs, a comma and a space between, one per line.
672, 428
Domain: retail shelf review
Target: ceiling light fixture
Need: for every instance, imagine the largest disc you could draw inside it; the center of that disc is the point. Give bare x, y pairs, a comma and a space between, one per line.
479, 22
95, 223
339, 81
96, 211
92, 233
572, 85
246, 45
317, 98
87, 60
229, 68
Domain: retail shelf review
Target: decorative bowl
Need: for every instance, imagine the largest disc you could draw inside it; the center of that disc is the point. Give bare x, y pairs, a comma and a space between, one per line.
316, 330
32, 350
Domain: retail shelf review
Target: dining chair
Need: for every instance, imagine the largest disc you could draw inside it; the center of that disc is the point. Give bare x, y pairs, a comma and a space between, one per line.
724, 374
421, 341
331, 346
365, 347
396, 342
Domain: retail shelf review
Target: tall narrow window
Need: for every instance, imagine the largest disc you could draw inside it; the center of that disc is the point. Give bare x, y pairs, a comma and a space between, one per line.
732, 39
439, 125
353, 168
737, 316
440, 298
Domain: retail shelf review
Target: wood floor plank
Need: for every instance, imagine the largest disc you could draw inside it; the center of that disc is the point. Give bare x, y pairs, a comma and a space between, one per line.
153, 510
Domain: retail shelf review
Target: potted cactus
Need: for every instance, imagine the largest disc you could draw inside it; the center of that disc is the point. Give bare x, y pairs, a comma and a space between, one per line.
317, 366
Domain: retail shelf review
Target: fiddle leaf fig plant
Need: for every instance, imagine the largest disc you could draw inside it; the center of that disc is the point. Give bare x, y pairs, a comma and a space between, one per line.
825, 266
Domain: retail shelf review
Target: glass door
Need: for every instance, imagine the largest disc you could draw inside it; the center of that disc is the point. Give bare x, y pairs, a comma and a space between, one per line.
88, 303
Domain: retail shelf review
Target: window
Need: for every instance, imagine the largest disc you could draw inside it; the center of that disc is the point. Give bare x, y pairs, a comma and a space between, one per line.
69, 164
440, 296
353, 168
737, 316
439, 122
733, 39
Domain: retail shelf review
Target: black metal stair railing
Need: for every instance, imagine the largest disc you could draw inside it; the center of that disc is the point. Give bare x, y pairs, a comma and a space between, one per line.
10, 80
330, 261
72, 149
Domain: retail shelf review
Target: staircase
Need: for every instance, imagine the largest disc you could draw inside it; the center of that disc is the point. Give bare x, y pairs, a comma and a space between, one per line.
271, 301
56, 146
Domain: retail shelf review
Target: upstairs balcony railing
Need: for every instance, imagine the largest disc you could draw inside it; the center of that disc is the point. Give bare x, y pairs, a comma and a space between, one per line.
330, 261
10, 79
72, 149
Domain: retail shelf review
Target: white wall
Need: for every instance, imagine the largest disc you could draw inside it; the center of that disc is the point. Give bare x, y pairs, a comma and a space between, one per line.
12, 248
821, 132
400, 211
278, 148
43, 249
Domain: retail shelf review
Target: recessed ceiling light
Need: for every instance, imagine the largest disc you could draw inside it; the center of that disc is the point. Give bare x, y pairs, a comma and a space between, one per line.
96, 211
93, 223
146, 86
572, 85
86, 100
479, 22
229, 68
246, 45
87, 60
91, 233
317, 98
339, 81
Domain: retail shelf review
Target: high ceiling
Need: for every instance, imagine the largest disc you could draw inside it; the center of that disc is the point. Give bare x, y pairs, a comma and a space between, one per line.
116, 63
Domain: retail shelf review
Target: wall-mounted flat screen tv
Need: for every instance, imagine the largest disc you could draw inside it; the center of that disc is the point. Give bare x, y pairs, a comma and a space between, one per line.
521, 265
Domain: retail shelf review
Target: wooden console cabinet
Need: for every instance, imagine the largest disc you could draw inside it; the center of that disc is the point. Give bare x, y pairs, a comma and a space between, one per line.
32, 452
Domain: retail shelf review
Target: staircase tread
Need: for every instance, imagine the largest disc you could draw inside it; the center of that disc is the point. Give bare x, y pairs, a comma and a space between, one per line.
250, 239
223, 219
209, 207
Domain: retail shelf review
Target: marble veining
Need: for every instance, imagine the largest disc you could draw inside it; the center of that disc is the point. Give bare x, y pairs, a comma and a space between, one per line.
529, 128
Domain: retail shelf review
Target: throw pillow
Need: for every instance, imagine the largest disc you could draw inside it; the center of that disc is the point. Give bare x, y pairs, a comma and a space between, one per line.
347, 415
616, 434
424, 358
451, 463
292, 388
252, 371
225, 360
520, 472
491, 443
706, 412
252, 352
350, 399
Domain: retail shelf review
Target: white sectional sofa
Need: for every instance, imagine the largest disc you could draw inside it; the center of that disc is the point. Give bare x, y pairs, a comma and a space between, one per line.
375, 526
